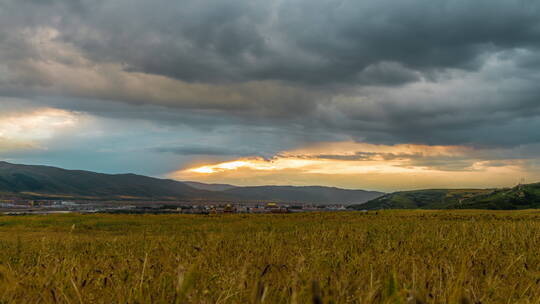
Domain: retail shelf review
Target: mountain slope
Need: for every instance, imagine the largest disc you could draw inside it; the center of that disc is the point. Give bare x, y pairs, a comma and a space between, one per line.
422, 199
309, 194
43, 181
209, 187
519, 197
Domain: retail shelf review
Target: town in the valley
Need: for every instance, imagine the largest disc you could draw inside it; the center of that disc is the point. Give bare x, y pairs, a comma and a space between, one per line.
24, 206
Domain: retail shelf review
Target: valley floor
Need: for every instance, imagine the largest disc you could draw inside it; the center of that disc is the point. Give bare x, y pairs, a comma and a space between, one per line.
347, 257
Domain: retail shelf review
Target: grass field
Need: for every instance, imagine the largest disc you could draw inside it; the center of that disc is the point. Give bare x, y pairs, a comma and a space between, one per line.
383, 257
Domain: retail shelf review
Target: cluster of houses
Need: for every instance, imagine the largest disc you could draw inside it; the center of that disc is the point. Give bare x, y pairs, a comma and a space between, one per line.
270, 207
235, 208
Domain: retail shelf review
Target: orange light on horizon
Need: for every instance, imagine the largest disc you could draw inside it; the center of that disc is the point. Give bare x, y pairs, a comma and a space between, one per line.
255, 163
360, 165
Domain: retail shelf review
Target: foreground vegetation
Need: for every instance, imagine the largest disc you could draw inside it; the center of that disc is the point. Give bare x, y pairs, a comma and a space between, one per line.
375, 257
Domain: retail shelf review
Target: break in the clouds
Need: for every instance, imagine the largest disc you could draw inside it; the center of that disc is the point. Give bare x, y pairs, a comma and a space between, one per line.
166, 86
375, 166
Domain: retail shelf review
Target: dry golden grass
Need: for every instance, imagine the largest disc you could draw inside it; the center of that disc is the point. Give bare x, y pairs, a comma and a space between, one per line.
388, 257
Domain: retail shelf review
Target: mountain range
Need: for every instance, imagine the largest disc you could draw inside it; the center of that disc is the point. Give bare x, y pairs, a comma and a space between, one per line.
44, 182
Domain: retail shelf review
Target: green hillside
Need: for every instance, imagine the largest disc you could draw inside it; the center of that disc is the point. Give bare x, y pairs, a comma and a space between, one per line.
422, 199
519, 197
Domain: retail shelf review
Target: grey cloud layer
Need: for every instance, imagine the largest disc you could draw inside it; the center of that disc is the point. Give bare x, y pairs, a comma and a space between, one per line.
305, 41
435, 72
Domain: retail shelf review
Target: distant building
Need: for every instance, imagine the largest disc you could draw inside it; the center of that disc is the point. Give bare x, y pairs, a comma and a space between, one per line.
229, 209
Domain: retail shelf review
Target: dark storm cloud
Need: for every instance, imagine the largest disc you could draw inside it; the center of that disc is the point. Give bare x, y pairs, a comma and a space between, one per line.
352, 157
381, 71
360, 156
314, 42
203, 150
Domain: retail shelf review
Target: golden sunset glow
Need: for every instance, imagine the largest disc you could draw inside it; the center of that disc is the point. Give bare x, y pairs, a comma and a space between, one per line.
221, 167
340, 157
254, 164
350, 164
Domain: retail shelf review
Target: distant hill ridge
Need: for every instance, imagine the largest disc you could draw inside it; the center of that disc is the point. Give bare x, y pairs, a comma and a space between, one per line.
44, 181
314, 194
519, 197
209, 187
50, 182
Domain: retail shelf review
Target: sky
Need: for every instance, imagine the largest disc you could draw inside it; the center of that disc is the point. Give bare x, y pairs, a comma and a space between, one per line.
365, 94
